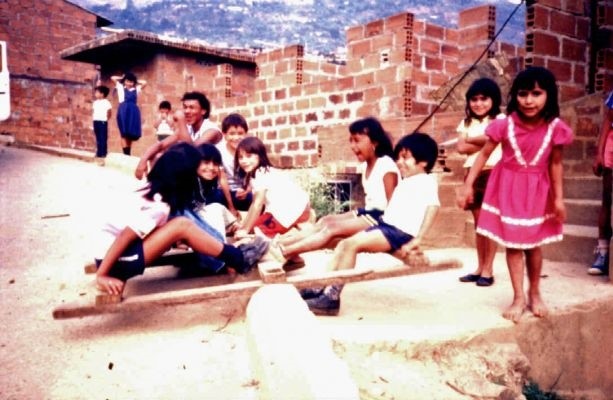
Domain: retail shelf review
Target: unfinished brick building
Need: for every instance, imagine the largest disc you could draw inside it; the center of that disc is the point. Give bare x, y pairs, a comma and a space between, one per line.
300, 106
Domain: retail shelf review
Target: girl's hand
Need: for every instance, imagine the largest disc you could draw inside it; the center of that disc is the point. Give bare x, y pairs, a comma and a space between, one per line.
597, 166
559, 210
241, 194
464, 196
141, 169
109, 284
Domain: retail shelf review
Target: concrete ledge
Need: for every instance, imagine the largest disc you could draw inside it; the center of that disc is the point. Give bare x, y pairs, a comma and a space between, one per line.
291, 354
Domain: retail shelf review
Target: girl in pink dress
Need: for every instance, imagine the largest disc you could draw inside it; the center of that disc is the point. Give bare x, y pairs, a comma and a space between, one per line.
523, 207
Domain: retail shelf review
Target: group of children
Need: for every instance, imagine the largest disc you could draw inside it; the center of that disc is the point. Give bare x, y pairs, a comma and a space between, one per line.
516, 202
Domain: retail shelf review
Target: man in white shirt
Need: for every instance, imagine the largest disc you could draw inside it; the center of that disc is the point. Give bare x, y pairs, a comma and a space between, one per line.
192, 126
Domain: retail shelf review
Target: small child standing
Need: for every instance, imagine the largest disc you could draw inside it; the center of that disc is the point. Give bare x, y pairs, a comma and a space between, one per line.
101, 115
284, 202
483, 101
128, 113
408, 216
164, 124
523, 207
603, 165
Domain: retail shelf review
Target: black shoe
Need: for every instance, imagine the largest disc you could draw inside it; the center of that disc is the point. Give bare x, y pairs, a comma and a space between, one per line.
311, 293
483, 281
323, 305
252, 252
470, 278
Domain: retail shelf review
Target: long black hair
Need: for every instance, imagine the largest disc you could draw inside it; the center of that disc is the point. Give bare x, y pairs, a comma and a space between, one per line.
372, 128
174, 176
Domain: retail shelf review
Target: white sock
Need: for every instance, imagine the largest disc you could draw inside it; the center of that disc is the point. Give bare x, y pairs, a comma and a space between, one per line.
603, 246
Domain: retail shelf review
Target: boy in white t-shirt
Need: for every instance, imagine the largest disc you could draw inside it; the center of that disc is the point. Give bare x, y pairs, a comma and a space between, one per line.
101, 113
408, 216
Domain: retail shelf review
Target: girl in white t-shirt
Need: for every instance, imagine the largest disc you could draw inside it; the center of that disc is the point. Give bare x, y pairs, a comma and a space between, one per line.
373, 148
483, 100
278, 202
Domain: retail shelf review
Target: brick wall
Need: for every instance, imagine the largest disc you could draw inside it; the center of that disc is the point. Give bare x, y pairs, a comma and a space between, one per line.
301, 106
50, 97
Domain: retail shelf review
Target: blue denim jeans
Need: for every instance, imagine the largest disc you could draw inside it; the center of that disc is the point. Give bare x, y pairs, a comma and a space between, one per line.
206, 262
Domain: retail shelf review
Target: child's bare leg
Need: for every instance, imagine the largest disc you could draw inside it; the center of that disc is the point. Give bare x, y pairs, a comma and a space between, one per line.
534, 264
515, 263
347, 250
340, 227
486, 248
179, 229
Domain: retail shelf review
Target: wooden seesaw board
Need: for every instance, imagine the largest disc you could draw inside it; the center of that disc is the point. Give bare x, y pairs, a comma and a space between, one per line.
269, 272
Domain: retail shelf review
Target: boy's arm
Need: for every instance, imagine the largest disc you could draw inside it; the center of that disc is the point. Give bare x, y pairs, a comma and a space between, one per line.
254, 212
225, 188
465, 192
103, 281
429, 217
180, 134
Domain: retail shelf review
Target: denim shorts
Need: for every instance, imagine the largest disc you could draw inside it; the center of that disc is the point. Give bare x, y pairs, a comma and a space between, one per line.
130, 263
394, 236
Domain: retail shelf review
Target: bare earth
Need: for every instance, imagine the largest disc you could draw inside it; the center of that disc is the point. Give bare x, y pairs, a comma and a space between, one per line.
47, 205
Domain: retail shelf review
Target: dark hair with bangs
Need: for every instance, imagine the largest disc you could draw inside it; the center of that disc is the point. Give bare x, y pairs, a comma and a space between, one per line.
527, 80
488, 88
421, 146
234, 119
372, 128
250, 145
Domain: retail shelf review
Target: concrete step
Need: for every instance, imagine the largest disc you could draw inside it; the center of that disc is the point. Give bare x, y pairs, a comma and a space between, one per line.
582, 211
583, 187
448, 230
577, 246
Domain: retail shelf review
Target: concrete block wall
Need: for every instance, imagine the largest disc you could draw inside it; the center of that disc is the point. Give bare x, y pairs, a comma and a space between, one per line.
393, 65
49, 96
557, 37
604, 55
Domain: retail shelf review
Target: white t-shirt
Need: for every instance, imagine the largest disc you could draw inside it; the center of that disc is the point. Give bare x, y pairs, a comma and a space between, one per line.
285, 199
205, 126
477, 128
121, 91
407, 207
134, 212
101, 108
374, 188
227, 160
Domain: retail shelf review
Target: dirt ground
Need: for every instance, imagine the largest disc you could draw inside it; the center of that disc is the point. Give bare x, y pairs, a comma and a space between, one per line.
199, 351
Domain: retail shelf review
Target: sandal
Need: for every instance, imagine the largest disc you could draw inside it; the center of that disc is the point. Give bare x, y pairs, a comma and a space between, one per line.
470, 278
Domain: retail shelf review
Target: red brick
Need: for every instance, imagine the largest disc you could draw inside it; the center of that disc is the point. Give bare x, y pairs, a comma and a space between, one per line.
475, 16
574, 50
544, 43
562, 23
364, 79
385, 40
398, 21
373, 28
561, 69
435, 31
430, 47
360, 48
433, 63
354, 33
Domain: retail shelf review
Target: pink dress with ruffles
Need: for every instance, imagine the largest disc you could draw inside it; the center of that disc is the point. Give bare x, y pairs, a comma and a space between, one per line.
517, 209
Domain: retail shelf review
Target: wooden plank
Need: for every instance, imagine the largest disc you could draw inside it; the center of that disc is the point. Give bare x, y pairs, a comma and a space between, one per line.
198, 295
